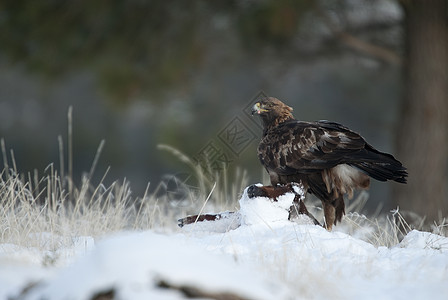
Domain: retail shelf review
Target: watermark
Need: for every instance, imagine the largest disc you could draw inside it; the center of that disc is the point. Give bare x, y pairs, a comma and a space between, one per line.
230, 142
176, 189
212, 157
237, 136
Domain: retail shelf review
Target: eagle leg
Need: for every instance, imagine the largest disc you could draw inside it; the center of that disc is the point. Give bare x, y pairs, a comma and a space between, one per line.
333, 211
340, 208
299, 208
329, 214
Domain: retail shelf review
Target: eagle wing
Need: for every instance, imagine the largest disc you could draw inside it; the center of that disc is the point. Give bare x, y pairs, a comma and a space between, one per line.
297, 147
307, 147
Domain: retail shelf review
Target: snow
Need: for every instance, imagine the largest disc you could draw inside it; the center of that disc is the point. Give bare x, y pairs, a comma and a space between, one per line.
264, 210
265, 257
133, 263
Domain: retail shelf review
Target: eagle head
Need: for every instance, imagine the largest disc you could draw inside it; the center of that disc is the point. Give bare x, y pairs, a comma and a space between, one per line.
272, 111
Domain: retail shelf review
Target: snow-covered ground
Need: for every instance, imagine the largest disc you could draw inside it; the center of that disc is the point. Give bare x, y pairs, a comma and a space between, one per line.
267, 257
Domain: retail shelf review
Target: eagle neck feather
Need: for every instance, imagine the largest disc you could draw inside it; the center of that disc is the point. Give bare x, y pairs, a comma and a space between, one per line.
270, 123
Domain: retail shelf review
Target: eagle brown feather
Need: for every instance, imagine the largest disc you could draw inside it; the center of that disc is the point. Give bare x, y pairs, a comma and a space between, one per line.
329, 159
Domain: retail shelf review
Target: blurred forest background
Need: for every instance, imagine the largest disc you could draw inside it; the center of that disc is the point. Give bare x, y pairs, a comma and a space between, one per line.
142, 73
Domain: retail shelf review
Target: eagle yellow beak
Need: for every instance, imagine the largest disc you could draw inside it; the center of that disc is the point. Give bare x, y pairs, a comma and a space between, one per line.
258, 109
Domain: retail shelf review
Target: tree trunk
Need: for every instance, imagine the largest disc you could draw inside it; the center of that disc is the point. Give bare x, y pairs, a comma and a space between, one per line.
423, 128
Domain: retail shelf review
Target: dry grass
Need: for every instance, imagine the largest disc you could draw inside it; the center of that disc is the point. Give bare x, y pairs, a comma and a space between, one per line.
34, 207
205, 179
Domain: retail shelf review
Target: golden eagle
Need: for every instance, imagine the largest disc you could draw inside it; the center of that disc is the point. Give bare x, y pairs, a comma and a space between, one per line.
329, 159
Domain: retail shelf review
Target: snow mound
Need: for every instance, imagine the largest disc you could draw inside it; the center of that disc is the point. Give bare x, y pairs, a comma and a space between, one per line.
264, 210
268, 260
261, 209
252, 211
137, 265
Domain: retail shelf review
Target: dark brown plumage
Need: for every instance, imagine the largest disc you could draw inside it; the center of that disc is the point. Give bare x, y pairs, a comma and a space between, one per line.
328, 158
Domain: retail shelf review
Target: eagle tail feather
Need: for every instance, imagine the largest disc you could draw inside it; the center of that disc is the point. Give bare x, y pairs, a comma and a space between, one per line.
384, 171
379, 165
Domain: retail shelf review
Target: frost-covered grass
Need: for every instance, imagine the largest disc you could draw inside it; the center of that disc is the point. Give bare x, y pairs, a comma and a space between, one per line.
36, 206
49, 207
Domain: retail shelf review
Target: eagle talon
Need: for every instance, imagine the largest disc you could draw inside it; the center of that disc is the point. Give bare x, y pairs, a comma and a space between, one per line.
254, 191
